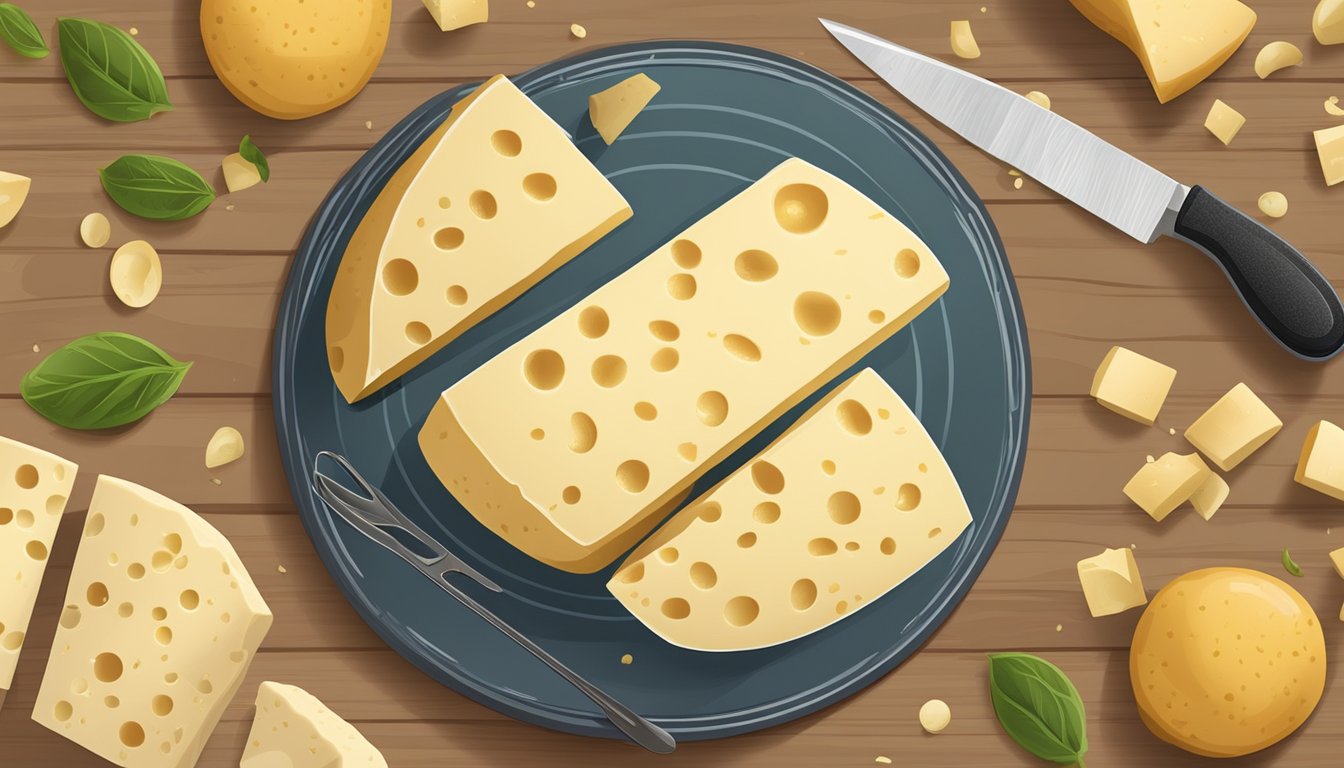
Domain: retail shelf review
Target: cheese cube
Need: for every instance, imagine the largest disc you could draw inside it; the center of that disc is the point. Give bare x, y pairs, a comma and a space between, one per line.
848, 503
239, 173
619, 404
160, 625
1224, 121
455, 14
1320, 467
1159, 487
292, 729
1111, 582
13, 193
440, 249
1330, 151
1337, 560
614, 109
34, 486
1208, 498
1233, 428
1132, 385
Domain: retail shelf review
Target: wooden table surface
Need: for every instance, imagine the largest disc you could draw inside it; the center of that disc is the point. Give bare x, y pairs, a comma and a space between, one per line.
1084, 287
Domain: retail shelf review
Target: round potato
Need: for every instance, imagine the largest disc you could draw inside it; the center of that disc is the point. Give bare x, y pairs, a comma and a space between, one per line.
292, 59
1226, 662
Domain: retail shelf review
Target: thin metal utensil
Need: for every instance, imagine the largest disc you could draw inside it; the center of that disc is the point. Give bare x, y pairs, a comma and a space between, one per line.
376, 517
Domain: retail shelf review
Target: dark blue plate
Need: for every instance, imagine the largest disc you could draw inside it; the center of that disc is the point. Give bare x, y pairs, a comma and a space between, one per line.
725, 116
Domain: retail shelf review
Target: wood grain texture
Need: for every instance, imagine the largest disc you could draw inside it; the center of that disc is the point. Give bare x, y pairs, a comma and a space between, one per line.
1083, 288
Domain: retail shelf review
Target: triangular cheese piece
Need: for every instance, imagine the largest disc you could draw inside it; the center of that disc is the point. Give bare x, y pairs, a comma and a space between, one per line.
292, 729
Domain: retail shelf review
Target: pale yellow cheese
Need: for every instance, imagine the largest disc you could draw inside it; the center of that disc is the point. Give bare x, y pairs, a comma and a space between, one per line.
13, 193
1233, 428
1337, 560
1111, 582
1179, 42
1132, 385
1160, 486
613, 109
963, 40
1320, 466
1327, 22
1275, 56
34, 486
456, 14
292, 729
617, 405
239, 173
848, 503
160, 625
1209, 497
1224, 122
1330, 151
441, 249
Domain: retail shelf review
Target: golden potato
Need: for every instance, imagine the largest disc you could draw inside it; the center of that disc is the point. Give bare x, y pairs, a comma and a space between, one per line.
292, 59
1226, 662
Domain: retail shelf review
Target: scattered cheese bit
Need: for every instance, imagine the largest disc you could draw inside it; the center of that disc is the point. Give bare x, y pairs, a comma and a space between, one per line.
627, 659
1150, 458
1059, 627
935, 715
1274, 204
134, 31
1208, 498
136, 274
281, 569
1332, 107
216, 481
1039, 99
95, 230
1162, 486
1224, 122
239, 173
1017, 183
531, 4
1014, 172
1132, 385
578, 31
455, 14
983, 9
1275, 56
36, 348
1233, 428
13, 193
613, 109
1329, 148
230, 207
963, 40
882, 759
1111, 583
1327, 23
292, 728
1320, 466
1171, 430
225, 446
368, 125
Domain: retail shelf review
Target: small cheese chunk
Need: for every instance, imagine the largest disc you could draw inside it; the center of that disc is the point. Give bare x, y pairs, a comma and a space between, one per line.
1327, 23
292, 729
1274, 205
225, 446
1320, 467
1132, 385
1330, 151
13, 193
456, 14
1209, 497
963, 40
34, 486
136, 274
1233, 428
160, 625
440, 249
935, 716
239, 173
1039, 99
847, 504
619, 404
1111, 582
95, 230
1332, 107
1159, 487
1337, 560
1224, 121
614, 109
1275, 56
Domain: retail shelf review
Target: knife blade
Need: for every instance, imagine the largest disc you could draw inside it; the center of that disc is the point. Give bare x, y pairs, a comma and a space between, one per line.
1287, 295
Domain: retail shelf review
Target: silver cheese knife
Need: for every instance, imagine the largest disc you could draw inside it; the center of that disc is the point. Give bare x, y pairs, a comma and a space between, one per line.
1289, 297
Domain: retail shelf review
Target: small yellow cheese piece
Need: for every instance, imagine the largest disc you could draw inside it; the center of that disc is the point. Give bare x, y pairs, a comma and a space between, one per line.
456, 14
239, 173
1039, 99
1209, 497
617, 405
614, 109
1111, 582
13, 193
225, 446
1224, 121
1327, 23
160, 625
1320, 467
34, 486
963, 40
1132, 385
1330, 151
1337, 560
1159, 487
578, 31
935, 716
1233, 428
851, 501
293, 729
136, 274
1275, 56
1274, 204
95, 230
1332, 107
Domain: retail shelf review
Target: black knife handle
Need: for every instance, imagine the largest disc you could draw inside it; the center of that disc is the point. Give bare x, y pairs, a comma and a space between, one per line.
1293, 300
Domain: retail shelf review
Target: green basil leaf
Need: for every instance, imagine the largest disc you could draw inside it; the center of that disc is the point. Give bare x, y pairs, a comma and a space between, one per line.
156, 187
103, 380
252, 154
1038, 706
17, 29
112, 74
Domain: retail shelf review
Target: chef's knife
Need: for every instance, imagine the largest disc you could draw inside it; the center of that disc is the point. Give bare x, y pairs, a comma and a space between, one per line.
1293, 301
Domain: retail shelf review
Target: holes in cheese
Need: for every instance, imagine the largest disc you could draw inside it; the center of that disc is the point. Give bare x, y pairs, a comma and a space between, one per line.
292, 728
1132, 385
439, 251
705, 333
613, 109
805, 527
1233, 428
34, 486
146, 659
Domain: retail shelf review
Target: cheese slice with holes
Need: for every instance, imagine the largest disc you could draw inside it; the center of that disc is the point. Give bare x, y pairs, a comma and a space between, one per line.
848, 503
34, 486
292, 729
573, 443
442, 248
159, 627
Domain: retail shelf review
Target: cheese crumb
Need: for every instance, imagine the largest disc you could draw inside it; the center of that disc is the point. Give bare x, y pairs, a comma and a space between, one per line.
36, 348
1017, 183
1274, 204
230, 207
627, 659
216, 481
578, 31
1171, 430
225, 446
368, 125
531, 4
1150, 458
1332, 107
883, 759
1039, 99
935, 715
963, 40
95, 230
134, 31
1059, 627
281, 569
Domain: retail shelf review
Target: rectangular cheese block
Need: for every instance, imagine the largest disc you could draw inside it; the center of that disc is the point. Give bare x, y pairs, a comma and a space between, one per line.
573, 443
1233, 428
1132, 385
1337, 560
1224, 122
1160, 486
1111, 582
489, 204
456, 14
848, 503
34, 486
292, 729
1330, 152
613, 109
1320, 466
159, 627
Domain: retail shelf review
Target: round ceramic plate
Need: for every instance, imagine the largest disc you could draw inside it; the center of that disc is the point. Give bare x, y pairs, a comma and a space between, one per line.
724, 117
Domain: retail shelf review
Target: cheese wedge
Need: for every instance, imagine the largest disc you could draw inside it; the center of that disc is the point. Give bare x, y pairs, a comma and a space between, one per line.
1320, 465
441, 248
613, 109
848, 503
160, 625
34, 486
573, 443
292, 729
1179, 43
